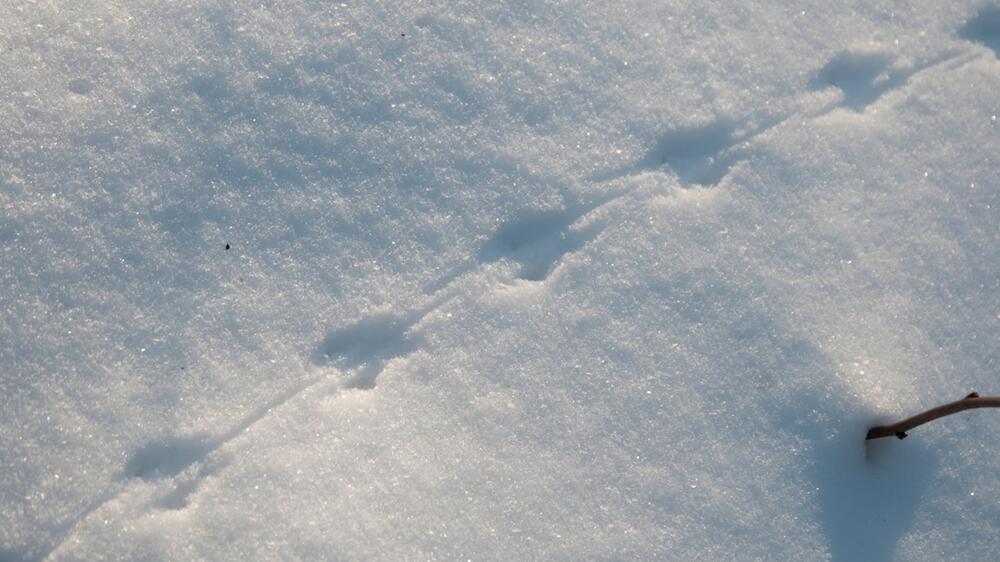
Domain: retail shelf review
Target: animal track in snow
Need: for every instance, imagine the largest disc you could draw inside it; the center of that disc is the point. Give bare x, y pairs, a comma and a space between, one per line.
366, 345
181, 463
865, 74
81, 86
698, 155
170, 458
984, 28
702, 155
537, 240
363, 348
166, 457
862, 74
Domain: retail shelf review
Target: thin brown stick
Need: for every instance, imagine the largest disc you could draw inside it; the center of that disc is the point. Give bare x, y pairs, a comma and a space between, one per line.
899, 429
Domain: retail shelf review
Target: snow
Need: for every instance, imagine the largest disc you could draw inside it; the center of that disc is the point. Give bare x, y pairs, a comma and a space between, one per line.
417, 280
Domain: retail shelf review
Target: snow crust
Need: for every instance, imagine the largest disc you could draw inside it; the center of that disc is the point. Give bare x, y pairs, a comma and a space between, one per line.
426, 280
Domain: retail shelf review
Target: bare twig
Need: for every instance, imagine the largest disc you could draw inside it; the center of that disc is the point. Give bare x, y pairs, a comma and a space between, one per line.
899, 429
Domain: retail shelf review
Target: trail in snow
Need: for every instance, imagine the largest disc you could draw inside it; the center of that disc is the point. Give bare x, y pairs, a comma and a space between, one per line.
537, 241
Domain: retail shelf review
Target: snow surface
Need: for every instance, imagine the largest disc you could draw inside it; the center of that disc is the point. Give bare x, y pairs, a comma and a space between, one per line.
520, 280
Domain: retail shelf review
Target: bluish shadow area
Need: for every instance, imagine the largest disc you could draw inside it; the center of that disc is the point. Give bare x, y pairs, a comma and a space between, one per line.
366, 345
528, 229
378, 336
868, 491
696, 154
862, 76
865, 498
167, 457
537, 240
11, 555
984, 28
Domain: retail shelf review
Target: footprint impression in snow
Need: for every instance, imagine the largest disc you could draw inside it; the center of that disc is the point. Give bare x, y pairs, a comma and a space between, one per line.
539, 240
984, 28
